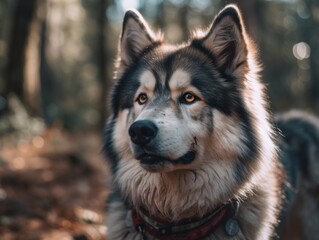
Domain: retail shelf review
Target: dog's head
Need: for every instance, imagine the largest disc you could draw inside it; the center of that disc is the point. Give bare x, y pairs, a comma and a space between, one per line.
177, 107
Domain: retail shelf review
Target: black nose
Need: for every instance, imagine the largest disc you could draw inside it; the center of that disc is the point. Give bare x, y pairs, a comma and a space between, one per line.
142, 132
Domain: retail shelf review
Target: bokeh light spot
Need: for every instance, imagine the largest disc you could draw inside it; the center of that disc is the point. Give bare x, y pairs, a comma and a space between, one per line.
38, 142
128, 4
301, 50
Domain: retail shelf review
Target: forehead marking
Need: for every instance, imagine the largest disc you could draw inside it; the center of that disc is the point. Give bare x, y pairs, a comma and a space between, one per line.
147, 80
179, 80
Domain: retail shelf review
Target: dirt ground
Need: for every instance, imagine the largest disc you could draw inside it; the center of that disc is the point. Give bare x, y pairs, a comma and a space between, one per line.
52, 186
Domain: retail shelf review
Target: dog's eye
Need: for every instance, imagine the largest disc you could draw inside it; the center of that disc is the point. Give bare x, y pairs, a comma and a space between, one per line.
189, 98
142, 98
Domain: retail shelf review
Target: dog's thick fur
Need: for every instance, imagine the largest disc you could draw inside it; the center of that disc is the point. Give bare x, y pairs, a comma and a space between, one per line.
211, 136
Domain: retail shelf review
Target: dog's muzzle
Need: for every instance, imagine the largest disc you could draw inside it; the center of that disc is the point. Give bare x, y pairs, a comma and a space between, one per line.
142, 132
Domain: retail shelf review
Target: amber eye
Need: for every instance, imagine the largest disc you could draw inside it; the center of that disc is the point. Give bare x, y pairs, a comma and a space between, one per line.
189, 97
142, 98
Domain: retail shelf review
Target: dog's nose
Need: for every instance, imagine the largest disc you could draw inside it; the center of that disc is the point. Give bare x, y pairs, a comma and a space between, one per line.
142, 132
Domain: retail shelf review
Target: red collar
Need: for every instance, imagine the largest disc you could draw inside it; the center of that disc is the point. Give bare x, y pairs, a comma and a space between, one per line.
192, 229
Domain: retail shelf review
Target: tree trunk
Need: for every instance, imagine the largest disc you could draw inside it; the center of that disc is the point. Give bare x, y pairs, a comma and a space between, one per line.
22, 19
103, 61
31, 85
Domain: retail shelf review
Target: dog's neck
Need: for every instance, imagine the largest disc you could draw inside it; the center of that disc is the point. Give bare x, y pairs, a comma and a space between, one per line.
191, 229
180, 194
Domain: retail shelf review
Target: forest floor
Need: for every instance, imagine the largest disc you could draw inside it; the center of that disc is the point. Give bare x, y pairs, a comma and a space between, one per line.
52, 186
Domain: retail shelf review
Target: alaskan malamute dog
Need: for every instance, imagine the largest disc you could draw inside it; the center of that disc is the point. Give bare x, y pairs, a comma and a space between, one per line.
191, 144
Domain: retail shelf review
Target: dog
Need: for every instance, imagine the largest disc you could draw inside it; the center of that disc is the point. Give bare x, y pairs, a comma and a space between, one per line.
298, 144
192, 146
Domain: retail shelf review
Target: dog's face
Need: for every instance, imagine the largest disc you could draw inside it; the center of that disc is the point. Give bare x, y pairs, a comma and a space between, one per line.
177, 107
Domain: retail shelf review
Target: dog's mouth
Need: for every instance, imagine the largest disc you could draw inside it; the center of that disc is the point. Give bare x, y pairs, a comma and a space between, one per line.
156, 163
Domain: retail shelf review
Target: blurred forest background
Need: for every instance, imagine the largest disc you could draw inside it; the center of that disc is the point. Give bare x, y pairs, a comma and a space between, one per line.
56, 65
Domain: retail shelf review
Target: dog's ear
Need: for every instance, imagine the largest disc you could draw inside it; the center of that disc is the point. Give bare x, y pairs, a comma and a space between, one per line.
135, 38
226, 39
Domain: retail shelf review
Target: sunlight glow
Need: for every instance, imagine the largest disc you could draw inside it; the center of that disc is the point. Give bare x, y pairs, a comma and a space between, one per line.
127, 4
